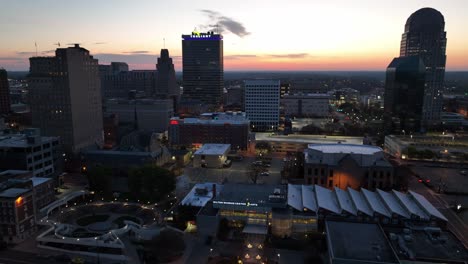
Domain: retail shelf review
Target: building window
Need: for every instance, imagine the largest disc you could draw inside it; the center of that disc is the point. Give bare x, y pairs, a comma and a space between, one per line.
322, 171
330, 183
309, 171
315, 171
331, 173
309, 181
315, 181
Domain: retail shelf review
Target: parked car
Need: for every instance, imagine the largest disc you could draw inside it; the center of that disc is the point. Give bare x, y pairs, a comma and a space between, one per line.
227, 163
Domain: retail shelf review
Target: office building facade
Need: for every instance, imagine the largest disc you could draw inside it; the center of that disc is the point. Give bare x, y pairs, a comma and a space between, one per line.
29, 151
65, 96
221, 128
203, 67
425, 37
121, 83
147, 114
404, 92
166, 82
306, 105
262, 104
4, 93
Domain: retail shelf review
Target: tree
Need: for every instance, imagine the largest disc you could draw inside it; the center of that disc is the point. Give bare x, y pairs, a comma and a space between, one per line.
151, 182
166, 246
184, 214
100, 179
311, 129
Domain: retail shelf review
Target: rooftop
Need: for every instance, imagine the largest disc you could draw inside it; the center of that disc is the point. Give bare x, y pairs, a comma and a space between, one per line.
359, 242
40, 180
428, 245
403, 205
13, 173
213, 149
307, 139
334, 154
201, 194
237, 196
306, 96
13, 192
232, 118
346, 148
20, 141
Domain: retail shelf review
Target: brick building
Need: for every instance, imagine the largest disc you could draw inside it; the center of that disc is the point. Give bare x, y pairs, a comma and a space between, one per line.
346, 165
220, 128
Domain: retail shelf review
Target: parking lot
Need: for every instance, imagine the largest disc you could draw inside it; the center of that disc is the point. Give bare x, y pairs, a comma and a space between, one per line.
238, 172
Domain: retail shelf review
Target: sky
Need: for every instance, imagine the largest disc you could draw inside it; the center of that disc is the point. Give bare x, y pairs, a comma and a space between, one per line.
258, 34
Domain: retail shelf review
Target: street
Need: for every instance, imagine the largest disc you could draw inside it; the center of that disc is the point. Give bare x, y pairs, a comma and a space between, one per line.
455, 224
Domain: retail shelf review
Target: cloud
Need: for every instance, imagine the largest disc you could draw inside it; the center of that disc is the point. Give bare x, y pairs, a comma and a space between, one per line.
221, 23
289, 56
11, 59
47, 51
99, 43
239, 56
137, 52
27, 53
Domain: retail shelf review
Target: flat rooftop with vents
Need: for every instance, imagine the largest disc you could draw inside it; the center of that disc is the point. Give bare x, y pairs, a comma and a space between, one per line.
358, 243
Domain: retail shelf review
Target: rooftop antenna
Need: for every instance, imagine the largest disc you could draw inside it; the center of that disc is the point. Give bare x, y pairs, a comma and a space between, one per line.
57, 44
164, 43
35, 44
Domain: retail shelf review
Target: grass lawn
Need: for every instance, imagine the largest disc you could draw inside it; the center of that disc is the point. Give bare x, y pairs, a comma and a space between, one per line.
87, 220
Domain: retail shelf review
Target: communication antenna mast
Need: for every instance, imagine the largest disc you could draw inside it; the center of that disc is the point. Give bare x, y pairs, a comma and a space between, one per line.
164, 43
35, 44
57, 44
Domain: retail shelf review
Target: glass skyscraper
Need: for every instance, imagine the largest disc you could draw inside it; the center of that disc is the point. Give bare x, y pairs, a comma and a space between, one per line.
425, 37
404, 92
203, 69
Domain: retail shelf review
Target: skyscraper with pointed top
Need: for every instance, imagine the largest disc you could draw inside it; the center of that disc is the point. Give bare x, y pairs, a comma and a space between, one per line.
166, 83
425, 37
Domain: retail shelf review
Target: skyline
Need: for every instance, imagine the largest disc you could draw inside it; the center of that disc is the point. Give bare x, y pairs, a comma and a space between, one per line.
253, 40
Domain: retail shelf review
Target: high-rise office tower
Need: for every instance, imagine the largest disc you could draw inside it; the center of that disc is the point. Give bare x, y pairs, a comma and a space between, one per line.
66, 98
4, 93
424, 36
404, 92
262, 104
203, 70
166, 83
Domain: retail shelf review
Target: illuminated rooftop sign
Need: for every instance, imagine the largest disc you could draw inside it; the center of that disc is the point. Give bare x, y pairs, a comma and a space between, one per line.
202, 36
235, 203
